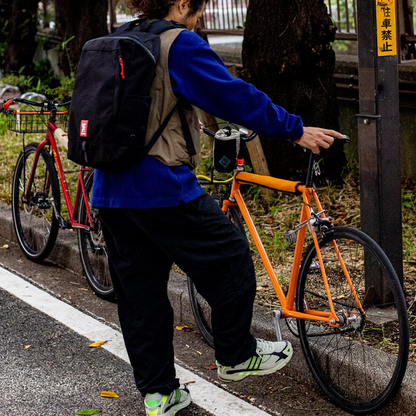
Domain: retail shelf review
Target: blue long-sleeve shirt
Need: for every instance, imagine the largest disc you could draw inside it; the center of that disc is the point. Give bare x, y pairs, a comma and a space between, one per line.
197, 74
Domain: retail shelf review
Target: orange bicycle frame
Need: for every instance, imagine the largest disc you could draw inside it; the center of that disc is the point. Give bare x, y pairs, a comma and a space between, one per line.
308, 194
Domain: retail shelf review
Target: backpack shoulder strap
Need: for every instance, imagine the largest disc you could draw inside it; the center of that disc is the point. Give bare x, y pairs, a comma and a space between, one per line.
139, 24
145, 25
160, 26
185, 129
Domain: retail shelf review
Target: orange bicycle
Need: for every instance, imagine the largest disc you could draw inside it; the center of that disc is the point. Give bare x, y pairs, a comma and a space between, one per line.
354, 336
36, 196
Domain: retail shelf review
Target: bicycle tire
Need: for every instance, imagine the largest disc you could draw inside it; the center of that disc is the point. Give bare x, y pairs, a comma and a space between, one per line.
360, 365
34, 221
92, 247
200, 307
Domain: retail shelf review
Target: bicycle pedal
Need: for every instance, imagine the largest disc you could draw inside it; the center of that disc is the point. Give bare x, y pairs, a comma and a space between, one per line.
40, 199
291, 237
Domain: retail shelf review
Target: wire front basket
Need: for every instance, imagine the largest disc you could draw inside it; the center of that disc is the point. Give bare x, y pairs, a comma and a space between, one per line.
35, 122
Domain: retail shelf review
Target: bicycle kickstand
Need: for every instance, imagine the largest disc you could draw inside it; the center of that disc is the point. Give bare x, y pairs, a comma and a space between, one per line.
277, 316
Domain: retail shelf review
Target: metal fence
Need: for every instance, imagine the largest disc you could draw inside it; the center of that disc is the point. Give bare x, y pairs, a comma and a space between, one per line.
344, 13
227, 17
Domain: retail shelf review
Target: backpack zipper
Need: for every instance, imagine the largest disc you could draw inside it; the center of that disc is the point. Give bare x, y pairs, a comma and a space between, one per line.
120, 59
120, 77
132, 39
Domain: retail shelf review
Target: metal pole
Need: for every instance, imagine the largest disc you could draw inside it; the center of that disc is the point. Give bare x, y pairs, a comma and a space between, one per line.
378, 135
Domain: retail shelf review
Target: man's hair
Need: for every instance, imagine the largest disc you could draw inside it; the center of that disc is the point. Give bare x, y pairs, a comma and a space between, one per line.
158, 9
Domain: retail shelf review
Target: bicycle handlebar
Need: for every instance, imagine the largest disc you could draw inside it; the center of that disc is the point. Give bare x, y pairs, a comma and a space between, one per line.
48, 104
246, 138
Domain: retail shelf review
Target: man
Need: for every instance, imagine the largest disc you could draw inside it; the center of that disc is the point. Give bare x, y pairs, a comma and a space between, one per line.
156, 214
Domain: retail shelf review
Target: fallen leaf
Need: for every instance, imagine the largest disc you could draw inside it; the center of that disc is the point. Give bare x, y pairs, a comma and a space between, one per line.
189, 382
184, 328
27, 346
212, 366
88, 412
109, 394
5, 246
97, 344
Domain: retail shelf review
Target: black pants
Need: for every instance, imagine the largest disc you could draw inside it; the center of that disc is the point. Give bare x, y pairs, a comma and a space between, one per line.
199, 238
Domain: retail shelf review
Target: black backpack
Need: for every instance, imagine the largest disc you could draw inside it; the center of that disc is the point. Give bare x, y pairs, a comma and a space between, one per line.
111, 99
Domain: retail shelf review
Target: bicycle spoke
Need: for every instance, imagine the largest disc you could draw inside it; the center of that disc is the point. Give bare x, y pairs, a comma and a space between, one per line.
33, 217
93, 251
355, 363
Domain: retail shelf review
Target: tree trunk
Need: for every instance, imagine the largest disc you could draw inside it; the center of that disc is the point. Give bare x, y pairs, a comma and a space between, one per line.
112, 11
287, 54
83, 19
45, 13
21, 44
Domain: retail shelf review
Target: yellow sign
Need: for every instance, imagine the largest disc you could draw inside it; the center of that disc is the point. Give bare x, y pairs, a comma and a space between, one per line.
386, 27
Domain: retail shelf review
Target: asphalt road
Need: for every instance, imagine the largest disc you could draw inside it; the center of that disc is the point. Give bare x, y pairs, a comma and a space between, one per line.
48, 369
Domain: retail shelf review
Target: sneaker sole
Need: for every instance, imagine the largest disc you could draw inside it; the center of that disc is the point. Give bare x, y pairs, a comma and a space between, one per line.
179, 407
239, 377
175, 409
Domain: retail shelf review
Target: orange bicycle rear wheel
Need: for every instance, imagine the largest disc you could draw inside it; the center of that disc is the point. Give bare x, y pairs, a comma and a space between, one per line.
200, 307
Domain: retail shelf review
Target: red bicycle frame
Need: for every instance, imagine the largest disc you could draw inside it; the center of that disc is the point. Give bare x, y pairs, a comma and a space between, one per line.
72, 209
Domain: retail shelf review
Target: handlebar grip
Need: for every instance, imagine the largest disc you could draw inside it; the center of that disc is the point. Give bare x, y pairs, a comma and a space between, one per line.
249, 138
345, 138
6, 105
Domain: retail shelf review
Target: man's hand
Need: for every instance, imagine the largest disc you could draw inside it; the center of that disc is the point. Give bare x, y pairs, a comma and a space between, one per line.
314, 137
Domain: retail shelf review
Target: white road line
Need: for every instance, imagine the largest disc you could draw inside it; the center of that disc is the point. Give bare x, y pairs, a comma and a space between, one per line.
204, 394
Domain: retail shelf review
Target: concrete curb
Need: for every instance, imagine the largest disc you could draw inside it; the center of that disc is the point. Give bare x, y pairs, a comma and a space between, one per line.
66, 254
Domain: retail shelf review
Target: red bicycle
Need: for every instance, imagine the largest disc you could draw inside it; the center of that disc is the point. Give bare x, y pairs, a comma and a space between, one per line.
36, 196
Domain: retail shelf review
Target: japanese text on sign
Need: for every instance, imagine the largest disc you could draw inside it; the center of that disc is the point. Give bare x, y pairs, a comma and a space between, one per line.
386, 27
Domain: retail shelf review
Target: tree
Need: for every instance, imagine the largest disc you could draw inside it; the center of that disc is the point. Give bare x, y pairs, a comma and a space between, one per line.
21, 27
5, 14
112, 11
287, 54
78, 21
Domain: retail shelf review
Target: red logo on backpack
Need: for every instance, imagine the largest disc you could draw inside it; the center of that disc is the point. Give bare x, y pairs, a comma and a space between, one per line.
84, 128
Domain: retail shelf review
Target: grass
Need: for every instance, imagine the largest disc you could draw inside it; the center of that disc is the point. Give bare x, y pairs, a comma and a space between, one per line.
11, 145
274, 216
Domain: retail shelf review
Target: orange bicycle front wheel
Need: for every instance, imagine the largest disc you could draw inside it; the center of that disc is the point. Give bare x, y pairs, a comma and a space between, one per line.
359, 364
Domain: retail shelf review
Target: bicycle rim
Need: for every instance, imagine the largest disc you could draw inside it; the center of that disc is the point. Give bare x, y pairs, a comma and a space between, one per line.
35, 224
361, 364
202, 313
92, 247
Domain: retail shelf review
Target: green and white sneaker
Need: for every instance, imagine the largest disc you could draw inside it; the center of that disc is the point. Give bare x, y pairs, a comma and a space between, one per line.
157, 404
270, 357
